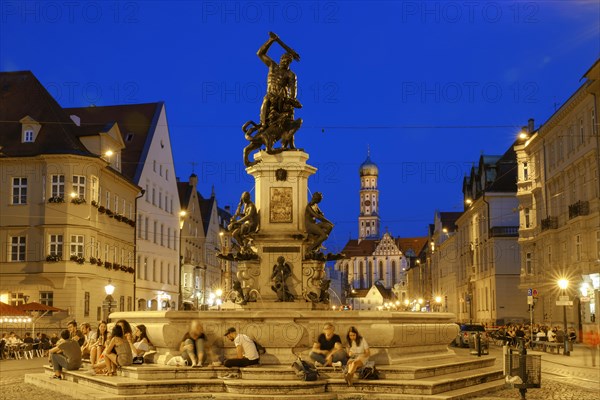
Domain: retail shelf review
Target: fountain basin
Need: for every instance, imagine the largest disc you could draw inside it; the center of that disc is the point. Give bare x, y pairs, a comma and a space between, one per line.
391, 336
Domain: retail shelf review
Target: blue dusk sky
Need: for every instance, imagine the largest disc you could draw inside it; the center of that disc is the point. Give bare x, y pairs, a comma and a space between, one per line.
429, 86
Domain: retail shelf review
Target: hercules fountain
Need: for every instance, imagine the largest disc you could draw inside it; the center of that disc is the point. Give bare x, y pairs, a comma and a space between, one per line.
280, 297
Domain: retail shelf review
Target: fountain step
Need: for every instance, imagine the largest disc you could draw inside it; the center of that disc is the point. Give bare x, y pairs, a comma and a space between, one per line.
408, 370
89, 393
122, 385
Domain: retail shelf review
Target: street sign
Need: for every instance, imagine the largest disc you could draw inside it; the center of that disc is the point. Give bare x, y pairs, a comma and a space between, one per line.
584, 299
563, 298
535, 293
564, 303
529, 299
530, 292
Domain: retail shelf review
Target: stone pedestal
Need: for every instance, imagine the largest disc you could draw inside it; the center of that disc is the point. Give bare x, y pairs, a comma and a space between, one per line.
281, 196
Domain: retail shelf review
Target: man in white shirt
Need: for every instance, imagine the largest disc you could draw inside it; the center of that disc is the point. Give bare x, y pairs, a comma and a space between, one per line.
247, 354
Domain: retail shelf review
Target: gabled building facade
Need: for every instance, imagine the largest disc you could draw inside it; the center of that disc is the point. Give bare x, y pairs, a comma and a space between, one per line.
558, 193
67, 217
147, 160
192, 238
443, 261
486, 239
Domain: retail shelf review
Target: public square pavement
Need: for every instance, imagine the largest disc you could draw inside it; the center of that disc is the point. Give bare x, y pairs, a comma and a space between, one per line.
563, 378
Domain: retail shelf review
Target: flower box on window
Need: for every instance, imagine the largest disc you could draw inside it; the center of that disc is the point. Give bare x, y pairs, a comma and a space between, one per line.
116, 267
109, 213
101, 209
77, 259
56, 199
119, 217
93, 260
132, 223
108, 265
53, 257
130, 270
78, 200
99, 262
94, 203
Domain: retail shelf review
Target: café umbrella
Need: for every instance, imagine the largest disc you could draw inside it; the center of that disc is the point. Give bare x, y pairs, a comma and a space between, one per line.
43, 309
11, 314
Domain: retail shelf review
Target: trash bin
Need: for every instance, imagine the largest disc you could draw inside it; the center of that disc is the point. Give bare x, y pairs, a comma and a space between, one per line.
522, 371
478, 344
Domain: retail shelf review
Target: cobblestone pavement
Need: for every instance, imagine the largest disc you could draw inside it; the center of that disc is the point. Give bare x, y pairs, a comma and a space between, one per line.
11, 380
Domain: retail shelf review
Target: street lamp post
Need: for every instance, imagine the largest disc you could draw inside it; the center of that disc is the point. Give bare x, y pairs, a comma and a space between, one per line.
563, 284
182, 215
109, 290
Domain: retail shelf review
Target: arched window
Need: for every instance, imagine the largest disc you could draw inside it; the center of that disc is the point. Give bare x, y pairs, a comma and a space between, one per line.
393, 272
361, 274
381, 276
370, 273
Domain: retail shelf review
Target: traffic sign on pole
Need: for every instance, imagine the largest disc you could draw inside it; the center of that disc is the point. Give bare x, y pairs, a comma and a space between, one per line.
530, 292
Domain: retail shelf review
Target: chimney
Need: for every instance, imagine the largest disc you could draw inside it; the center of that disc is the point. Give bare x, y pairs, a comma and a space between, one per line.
530, 125
228, 209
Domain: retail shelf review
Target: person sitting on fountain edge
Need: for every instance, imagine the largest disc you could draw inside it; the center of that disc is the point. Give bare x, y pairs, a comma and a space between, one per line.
247, 354
193, 344
328, 349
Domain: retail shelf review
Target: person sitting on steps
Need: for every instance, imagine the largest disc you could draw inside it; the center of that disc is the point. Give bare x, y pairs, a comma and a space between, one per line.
247, 354
359, 353
328, 348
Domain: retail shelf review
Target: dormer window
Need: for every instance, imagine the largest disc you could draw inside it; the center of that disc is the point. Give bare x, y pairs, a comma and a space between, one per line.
29, 129
28, 136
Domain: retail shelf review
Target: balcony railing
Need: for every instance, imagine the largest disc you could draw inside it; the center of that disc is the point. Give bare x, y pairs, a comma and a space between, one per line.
504, 231
579, 208
550, 223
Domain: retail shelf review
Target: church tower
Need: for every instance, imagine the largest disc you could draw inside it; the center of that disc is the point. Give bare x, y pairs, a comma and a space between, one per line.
368, 220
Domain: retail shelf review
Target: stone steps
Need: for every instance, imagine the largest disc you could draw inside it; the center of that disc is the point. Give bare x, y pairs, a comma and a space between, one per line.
87, 393
166, 381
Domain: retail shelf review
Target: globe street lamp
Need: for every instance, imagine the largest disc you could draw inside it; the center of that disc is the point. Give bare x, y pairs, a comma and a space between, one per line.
563, 284
438, 303
108, 300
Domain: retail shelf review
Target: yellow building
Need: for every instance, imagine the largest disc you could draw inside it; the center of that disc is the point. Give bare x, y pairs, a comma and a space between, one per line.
558, 192
66, 211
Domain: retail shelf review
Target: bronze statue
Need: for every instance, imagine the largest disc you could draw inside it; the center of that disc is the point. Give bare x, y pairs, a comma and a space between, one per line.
317, 226
243, 228
277, 121
281, 272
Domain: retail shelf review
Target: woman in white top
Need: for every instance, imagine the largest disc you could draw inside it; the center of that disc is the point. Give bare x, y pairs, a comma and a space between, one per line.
358, 352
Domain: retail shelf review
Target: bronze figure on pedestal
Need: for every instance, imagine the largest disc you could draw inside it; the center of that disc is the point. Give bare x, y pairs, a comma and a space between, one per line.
277, 121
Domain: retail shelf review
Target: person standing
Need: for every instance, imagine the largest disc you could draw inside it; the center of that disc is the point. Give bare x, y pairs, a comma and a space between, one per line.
66, 355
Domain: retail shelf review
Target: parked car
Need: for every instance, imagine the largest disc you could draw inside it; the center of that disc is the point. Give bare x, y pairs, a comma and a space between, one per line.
466, 330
